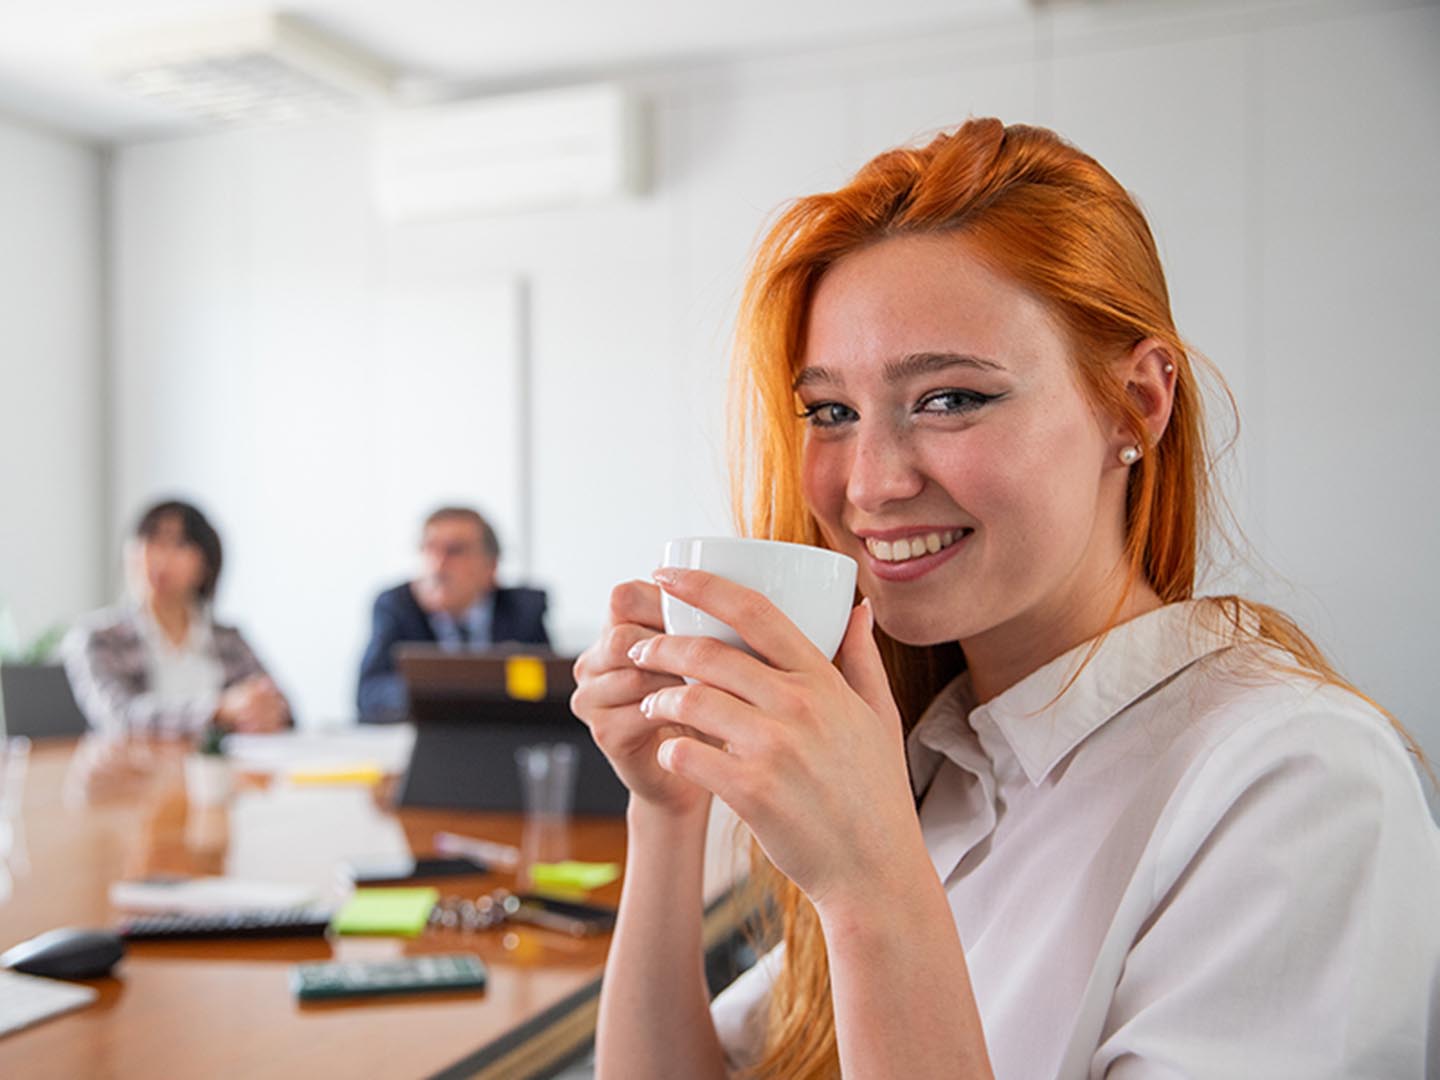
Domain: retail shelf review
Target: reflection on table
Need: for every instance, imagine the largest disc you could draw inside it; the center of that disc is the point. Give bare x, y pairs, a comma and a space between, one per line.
224, 1008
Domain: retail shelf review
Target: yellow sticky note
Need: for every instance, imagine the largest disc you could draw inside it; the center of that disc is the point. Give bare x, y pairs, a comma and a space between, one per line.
401, 912
573, 876
525, 678
365, 775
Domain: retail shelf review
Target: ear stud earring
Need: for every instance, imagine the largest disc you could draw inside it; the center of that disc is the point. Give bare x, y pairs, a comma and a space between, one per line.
1129, 455
1169, 368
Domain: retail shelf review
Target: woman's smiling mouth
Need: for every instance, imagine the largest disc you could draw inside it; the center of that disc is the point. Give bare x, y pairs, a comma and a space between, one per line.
907, 556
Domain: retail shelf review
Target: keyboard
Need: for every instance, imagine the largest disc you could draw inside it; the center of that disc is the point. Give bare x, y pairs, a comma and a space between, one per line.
290, 922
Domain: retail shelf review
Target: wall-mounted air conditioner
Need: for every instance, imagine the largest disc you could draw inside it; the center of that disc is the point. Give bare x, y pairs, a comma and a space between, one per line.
552, 148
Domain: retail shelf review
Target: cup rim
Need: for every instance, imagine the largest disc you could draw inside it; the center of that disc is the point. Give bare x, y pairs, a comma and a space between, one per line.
747, 540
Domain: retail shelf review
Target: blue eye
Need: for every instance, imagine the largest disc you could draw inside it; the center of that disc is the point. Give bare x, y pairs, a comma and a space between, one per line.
828, 414
953, 402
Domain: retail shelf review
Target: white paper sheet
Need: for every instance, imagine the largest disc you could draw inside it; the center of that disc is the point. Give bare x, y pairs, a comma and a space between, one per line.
208, 894
28, 999
386, 748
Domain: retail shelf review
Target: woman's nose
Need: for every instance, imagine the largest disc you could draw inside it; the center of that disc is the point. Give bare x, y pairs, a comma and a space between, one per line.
882, 471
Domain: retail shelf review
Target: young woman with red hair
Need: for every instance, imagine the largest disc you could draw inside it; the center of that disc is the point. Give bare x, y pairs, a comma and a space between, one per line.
1049, 814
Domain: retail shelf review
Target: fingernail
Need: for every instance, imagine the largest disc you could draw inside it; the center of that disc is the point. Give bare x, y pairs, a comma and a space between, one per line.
869, 613
666, 753
638, 650
665, 575
647, 705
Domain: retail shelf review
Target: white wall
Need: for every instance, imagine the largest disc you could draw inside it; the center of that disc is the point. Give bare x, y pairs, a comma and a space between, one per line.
51, 477
1288, 153
270, 367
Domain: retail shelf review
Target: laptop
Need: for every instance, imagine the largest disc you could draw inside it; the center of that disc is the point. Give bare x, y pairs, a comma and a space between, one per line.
473, 710
35, 700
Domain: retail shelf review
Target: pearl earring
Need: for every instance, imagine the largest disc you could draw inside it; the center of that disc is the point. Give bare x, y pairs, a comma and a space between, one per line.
1129, 455
1169, 368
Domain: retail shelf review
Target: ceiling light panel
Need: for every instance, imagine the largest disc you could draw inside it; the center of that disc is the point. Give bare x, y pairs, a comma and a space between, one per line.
262, 69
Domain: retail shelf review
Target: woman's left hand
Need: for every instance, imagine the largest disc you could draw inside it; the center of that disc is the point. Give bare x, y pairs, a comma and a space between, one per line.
254, 705
810, 757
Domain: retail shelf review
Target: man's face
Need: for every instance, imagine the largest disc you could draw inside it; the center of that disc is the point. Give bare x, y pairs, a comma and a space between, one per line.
457, 569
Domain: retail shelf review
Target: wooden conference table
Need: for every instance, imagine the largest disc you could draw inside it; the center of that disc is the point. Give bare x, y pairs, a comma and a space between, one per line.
224, 1008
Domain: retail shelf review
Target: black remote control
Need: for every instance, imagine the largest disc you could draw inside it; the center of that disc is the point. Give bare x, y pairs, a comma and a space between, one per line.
406, 975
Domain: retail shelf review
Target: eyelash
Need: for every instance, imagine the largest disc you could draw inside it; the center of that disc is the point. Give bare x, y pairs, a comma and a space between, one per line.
972, 400
811, 414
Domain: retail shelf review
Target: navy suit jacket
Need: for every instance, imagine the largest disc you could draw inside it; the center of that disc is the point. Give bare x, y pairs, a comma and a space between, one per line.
519, 616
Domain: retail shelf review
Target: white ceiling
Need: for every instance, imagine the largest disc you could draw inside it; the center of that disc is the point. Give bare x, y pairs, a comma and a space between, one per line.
48, 75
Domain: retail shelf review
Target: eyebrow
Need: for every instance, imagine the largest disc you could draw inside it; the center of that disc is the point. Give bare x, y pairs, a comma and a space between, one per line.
922, 363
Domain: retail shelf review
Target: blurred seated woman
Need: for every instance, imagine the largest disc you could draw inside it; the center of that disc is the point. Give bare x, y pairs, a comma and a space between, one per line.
160, 665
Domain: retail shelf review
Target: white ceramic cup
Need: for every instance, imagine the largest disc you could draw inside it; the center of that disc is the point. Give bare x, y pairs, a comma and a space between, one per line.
815, 588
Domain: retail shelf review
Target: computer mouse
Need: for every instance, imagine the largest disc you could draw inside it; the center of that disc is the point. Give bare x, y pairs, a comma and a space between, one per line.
70, 953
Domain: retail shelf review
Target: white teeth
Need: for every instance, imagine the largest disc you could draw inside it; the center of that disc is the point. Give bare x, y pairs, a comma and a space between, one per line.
913, 547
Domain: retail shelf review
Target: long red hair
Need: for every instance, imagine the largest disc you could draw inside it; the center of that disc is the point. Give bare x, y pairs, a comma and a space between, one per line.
1053, 220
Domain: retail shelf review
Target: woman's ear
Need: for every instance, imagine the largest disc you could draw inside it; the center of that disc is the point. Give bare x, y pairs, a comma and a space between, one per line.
1148, 373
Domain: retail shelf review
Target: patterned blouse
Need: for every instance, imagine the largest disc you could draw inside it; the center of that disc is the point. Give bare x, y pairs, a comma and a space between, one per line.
110, 667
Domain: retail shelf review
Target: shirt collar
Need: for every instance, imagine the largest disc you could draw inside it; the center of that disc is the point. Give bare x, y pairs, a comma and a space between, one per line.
198, 636
474, 618
942, 732
1053, 710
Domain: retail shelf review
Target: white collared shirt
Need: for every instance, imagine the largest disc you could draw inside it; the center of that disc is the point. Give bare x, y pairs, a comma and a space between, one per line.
1190, 863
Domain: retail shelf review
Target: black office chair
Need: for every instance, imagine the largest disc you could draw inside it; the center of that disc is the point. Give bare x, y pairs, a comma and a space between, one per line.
35, 700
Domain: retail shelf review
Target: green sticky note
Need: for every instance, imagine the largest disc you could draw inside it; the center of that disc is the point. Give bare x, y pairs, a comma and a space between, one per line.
398, 912
573, 875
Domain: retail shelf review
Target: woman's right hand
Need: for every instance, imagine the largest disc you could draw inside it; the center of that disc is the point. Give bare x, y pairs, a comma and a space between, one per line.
609, 689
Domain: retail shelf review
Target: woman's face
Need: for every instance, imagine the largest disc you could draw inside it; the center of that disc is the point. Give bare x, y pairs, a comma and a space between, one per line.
168, 566
951, 450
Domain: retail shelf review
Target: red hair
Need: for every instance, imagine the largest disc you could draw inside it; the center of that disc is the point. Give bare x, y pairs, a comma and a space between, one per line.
1051, 219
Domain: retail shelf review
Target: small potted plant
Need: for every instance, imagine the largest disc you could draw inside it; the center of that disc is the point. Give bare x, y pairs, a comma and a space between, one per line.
208, 777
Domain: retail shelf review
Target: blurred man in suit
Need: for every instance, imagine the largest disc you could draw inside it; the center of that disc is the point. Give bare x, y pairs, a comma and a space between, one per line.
454, 603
